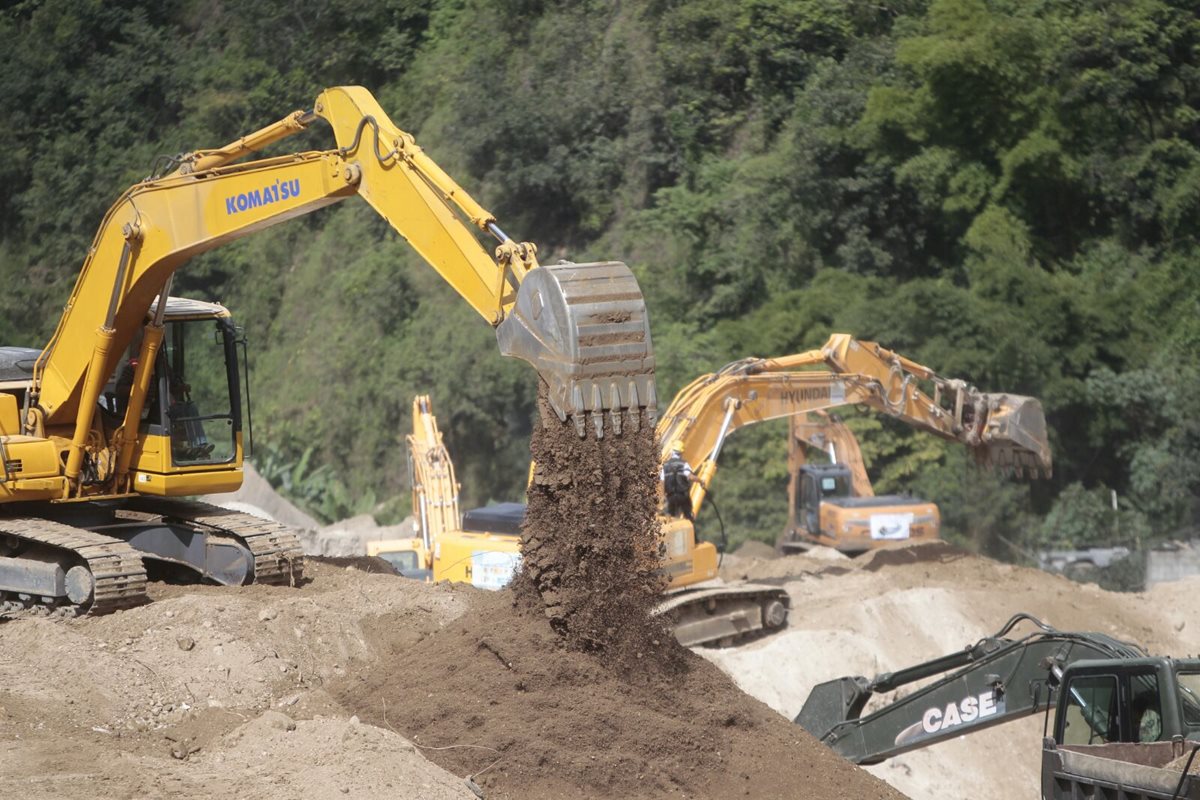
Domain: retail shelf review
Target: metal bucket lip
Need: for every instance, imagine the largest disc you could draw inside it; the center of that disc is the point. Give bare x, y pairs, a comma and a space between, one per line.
585, 329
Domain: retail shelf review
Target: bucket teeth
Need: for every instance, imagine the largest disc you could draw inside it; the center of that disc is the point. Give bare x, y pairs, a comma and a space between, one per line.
614, 409
584, 328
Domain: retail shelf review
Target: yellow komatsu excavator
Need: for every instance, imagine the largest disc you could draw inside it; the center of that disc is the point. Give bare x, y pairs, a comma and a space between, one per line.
1003, 431
136, 399
848, 513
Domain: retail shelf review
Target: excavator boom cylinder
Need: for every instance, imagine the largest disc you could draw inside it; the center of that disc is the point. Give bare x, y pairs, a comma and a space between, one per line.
584, 328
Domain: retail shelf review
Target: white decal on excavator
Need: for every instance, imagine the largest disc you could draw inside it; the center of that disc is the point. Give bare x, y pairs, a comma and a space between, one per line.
891, 526
968, 709
972, 709
834, 393
493, 570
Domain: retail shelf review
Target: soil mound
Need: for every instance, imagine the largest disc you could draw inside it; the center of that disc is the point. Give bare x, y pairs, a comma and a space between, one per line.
590, 539
753, 548
212, 692
898, 607
498, 695
373, 564
910, 553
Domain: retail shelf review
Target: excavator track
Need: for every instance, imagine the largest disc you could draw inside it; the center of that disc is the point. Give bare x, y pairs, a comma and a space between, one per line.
117, 571
278, 556
716, 613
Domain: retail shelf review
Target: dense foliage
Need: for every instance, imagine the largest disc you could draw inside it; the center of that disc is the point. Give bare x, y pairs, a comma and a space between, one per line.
1005, 190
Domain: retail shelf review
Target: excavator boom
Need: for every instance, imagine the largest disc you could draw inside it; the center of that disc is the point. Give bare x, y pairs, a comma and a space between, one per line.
76, 429
582, 326
990, 682
1001, 430
828, 433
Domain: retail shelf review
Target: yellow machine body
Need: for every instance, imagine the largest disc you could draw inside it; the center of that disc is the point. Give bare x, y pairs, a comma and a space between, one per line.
1003, 431
99, 414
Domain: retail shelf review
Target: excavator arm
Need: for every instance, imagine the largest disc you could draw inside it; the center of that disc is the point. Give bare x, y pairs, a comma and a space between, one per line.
827, 432
582, 326
434, 487
995, 680
1003, 430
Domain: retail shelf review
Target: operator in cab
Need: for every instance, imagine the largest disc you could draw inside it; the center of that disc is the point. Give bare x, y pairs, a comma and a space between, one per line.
677, 478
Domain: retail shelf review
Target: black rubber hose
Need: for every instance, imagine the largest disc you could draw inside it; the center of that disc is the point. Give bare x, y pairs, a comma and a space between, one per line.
724, 538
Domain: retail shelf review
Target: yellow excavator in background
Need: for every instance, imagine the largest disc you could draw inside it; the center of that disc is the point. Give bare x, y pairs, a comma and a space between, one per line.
136, 399
481, 547
844, 499
1003, 431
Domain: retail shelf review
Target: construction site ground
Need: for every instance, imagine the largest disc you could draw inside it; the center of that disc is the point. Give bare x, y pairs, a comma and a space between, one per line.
895, 608
365, 684
371, 685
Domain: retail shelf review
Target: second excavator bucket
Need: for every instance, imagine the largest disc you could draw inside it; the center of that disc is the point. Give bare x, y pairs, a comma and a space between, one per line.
584, 328
1014, 435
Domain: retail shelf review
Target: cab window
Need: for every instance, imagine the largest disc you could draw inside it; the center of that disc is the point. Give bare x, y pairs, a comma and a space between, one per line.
1146, 711
1189, 695
1091, 715
808, 492
194, 380
834, 486
402, 560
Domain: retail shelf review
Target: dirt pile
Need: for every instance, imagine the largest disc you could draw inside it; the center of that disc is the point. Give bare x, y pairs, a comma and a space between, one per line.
186, 696
590, 539
212, 692
362, 563
504, 700
882, 612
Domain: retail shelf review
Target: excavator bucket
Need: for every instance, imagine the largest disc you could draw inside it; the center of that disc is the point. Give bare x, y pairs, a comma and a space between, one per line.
1014, 436
584, 328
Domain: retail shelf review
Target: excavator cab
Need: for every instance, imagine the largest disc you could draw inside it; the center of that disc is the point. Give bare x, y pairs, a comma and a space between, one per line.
820, 482
197, 376
191, 417
1139, 700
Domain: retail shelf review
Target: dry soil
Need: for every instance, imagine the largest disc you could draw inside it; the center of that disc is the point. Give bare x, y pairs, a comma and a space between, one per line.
370, 685
890, 610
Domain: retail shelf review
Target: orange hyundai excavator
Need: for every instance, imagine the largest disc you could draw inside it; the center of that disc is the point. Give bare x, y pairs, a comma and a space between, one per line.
841, 494
1003, 431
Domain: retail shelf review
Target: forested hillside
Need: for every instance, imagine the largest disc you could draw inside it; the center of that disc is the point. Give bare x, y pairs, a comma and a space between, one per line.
1007, 191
